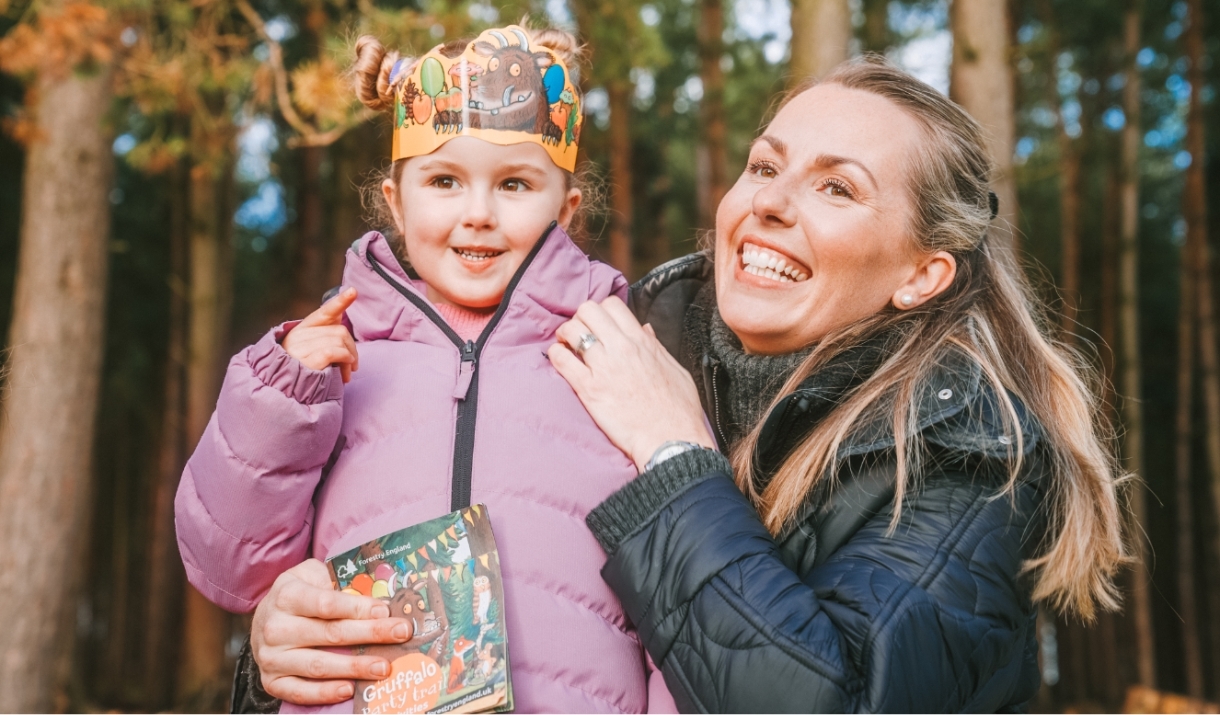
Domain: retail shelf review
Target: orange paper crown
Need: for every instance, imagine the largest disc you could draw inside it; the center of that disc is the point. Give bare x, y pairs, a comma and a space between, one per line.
499, 89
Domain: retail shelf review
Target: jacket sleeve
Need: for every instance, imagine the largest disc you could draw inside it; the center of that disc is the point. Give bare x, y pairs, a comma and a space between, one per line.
244, 508
928, 618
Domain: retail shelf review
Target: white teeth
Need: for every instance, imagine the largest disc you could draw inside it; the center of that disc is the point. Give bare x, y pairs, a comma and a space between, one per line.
768, 264
476, 255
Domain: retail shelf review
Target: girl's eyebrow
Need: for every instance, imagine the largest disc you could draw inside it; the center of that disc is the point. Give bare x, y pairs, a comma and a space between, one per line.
521, 168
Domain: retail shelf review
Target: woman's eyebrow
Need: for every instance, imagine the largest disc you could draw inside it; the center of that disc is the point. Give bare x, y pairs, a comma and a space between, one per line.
776, 143
828, 161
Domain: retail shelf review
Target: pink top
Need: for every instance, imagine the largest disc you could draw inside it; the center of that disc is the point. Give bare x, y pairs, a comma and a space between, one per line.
465, 322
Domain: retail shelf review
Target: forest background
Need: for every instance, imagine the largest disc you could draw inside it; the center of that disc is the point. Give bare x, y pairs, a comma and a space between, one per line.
178, 175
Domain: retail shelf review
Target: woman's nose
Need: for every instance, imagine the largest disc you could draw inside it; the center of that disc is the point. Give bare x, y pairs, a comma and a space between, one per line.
773, 205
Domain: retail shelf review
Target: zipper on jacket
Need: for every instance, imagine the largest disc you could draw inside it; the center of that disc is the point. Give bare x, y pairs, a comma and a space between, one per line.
711, 388
468, 403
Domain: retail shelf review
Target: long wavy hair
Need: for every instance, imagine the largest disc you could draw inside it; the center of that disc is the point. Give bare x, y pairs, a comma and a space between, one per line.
990, 314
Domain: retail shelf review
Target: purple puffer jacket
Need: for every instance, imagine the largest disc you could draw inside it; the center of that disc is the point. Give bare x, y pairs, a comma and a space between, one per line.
295, 464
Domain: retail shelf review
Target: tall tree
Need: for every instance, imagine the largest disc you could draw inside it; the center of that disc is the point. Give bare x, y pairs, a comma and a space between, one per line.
876, 32
713, 130
1131, 383
821, 38
981, 80
55, 345
1195, 211
613, 32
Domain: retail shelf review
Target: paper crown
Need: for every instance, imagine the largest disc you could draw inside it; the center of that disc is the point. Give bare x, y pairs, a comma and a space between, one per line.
499, 89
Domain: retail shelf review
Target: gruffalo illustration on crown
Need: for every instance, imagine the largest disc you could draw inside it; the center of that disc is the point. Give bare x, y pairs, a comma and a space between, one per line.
509, 94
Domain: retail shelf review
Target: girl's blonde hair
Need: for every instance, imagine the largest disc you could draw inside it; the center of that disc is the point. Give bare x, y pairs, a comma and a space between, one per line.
371, 80
990, 314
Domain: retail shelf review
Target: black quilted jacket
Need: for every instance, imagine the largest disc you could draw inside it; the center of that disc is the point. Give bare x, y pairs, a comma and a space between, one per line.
838, 614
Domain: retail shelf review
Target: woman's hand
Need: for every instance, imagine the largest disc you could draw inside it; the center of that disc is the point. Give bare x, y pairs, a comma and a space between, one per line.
636, 392
301, 612
322, 340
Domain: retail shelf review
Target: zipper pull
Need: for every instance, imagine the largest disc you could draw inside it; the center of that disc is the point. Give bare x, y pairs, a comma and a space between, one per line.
465, 371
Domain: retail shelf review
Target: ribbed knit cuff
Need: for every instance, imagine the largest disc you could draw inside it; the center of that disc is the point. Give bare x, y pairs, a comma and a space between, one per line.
633, 506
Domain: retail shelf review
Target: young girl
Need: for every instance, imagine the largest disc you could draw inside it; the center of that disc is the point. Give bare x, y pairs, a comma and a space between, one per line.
415, 392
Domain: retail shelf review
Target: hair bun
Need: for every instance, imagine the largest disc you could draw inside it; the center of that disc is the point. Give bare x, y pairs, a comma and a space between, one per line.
371, 73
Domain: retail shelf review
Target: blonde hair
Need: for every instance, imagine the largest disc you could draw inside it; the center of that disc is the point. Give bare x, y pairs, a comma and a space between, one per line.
990, 315
370, 73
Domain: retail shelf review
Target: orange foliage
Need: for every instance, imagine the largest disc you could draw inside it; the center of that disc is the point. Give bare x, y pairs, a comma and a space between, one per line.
78, 37
1146, 700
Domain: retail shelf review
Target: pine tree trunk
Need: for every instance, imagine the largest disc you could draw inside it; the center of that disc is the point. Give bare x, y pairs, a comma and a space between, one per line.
165, 575
713, 183
621, 200
1130, 382
1187, 608
981, 80
358, 154
309, 278
821, 38
51, 393
1195, 212
876, 36
1109, 290
202, 676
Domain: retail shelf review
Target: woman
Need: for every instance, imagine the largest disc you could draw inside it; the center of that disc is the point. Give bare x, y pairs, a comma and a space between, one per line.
923, 460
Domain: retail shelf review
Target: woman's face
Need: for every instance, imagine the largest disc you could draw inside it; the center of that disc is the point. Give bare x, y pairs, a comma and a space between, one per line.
814, 234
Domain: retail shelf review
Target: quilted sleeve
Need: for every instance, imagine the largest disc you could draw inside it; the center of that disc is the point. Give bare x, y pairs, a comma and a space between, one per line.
929, 618
244, 508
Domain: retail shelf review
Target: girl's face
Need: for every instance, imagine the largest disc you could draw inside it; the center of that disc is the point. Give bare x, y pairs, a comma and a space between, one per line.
470, 212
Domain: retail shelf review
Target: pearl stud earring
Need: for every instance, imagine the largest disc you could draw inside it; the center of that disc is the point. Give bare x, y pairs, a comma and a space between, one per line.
908, 299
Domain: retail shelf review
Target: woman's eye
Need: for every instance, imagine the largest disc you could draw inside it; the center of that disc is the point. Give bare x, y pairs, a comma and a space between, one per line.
837, 188
765, 169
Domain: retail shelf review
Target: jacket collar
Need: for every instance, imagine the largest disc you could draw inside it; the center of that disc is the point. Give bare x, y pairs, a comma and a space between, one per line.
550, 285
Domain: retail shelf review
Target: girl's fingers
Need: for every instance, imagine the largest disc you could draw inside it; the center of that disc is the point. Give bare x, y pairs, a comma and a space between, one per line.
331, 312
345, 371
302, 691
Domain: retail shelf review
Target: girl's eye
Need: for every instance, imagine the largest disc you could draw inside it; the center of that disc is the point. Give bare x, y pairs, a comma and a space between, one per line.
444, 182
514, 185
764, 169
837, 188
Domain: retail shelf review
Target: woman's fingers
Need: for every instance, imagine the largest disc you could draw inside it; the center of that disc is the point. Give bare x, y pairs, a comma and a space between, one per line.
622, 316
302, 691
331, 312
310, 599
568, 366
317, 664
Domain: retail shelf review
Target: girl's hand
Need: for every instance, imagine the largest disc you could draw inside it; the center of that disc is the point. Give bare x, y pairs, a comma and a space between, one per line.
636, 392
322, 340
301, 612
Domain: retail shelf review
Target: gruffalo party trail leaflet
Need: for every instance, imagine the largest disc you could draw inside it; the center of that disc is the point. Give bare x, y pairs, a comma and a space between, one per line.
443, 577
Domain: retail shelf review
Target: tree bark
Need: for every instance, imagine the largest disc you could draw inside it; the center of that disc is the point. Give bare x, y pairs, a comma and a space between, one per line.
1187, 608
876, 37
1195, 212
165, 575
621, 199
50, 397
713, 183
201, 678
981, 80
1131, 383
821, 38
309, 278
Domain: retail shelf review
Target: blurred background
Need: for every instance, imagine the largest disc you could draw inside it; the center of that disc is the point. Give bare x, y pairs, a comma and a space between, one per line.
176, 176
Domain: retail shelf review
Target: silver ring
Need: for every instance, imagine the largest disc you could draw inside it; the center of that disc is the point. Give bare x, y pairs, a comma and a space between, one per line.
586, 341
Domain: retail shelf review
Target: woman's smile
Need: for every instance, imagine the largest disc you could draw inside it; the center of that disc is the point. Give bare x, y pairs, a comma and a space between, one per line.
769, 263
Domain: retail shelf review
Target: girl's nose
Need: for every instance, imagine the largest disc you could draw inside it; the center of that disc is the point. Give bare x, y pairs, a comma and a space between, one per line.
772, 204
480, 212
